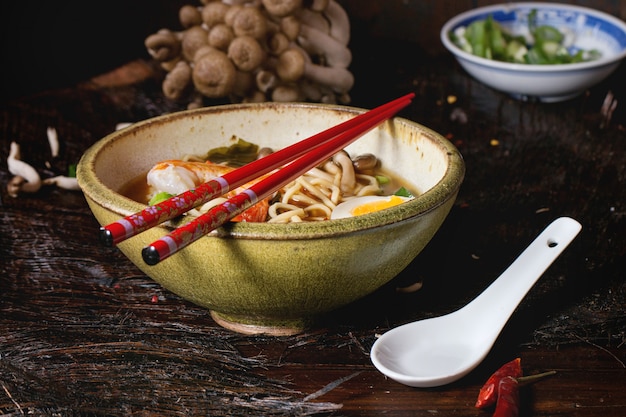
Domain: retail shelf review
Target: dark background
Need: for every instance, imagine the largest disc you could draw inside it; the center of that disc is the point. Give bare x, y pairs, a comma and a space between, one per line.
51, 44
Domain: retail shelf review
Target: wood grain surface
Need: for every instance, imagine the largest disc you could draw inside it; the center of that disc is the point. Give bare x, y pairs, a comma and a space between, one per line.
85, 333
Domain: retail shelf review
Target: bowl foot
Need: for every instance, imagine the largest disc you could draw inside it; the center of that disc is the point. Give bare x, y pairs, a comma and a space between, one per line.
256, 326
546, 99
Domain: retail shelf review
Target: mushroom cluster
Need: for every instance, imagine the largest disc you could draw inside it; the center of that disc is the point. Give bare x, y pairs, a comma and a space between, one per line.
256, 50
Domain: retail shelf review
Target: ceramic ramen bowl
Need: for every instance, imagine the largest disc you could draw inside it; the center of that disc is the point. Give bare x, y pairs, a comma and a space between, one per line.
587, 28
277, 278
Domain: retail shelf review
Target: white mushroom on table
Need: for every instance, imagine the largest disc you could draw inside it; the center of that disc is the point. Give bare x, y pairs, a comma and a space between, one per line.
26, 178
256, 50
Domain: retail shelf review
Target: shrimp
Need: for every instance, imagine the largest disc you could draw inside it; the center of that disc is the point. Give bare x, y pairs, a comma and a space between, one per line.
176, 176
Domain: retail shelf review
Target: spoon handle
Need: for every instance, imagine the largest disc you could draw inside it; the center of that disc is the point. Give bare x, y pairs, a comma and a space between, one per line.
495, 305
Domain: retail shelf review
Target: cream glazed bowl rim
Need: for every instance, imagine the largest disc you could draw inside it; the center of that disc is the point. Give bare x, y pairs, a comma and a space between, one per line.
446, 188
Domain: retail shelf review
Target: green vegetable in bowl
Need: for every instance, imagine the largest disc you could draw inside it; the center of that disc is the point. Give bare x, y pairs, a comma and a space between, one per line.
488, 39
238, 154
159, 197
403, 192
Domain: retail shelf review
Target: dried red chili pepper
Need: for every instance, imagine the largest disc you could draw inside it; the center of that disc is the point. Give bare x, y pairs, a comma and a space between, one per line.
502, 388
489, 392
507, 404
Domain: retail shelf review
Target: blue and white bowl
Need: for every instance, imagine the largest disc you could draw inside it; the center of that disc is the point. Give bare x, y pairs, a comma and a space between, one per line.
591, 29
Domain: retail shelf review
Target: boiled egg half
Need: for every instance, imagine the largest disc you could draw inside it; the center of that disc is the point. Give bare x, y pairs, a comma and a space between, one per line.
367, 204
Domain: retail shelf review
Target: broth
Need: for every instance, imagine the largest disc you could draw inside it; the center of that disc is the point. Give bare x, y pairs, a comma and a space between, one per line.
313, 195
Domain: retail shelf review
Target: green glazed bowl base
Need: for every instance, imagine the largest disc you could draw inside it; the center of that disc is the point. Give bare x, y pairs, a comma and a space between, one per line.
260, 325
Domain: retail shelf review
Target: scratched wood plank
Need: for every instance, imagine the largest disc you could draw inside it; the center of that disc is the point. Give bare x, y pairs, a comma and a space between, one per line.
83, 332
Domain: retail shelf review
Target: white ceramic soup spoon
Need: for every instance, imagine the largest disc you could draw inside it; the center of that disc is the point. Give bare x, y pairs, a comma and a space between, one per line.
441, 350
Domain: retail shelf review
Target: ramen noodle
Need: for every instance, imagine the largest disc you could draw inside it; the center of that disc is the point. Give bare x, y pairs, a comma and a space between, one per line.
310, 197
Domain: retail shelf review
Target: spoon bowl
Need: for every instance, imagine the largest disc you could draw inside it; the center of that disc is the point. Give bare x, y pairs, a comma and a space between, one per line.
441, 350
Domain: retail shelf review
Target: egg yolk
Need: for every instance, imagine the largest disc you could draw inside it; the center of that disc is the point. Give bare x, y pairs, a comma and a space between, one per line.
373, 206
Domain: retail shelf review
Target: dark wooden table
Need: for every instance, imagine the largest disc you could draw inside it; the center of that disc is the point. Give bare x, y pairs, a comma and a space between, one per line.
85, 333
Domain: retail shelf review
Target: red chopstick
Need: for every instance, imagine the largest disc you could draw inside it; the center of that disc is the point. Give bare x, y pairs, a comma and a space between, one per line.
173, 207
220, 214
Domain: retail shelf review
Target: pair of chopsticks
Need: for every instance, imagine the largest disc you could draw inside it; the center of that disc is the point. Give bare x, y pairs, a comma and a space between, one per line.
293, 162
